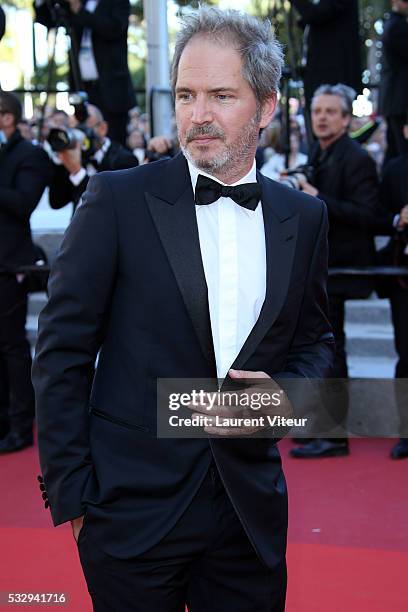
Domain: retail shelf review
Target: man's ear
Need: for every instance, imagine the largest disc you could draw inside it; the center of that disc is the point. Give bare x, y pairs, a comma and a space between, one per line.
268, 110
103, 128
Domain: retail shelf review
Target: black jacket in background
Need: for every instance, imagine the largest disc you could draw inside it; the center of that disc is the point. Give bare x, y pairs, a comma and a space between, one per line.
24, 173
348, 183
394, 195
333, 43
109, 25
394, 77
63, 191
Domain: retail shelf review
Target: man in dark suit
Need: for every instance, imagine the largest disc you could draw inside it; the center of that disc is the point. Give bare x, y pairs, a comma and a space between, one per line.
332, 43
70, 179
393, 101
98, 30
394, 197
144, 279
345, 178
24, 173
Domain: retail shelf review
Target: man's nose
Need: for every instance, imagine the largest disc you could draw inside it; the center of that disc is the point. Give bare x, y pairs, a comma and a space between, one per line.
201, 111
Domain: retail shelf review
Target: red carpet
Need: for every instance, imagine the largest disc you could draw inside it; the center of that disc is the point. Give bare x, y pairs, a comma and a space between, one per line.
348, 535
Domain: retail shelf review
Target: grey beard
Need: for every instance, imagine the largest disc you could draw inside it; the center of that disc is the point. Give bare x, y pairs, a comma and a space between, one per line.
236, 155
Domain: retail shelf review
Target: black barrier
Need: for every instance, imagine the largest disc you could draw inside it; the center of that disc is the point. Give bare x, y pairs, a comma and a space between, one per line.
40, 273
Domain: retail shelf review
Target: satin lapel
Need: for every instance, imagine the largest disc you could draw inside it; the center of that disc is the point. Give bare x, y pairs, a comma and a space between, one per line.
177, 227
280, 243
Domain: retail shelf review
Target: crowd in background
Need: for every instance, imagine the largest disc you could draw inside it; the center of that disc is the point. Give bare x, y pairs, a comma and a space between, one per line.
360, 174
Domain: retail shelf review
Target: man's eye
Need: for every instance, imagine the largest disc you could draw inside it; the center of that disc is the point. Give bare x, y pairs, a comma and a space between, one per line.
223, 97
184, 97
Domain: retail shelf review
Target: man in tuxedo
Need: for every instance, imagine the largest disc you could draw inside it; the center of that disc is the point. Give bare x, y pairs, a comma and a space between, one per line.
70, 178
98, 30
193, 267
24, 174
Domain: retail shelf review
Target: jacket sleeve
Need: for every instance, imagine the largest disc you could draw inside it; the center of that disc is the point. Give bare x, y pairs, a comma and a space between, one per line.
312, 349
321, 12
31, 179
62, 190
71, 331
110, 27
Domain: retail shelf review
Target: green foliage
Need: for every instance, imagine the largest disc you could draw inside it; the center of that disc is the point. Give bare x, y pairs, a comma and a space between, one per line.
20, 4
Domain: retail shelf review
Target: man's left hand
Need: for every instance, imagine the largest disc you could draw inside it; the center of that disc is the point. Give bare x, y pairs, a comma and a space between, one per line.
266, 385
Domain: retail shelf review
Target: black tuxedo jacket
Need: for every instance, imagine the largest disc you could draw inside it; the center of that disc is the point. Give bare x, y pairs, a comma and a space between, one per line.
333, 43
63, 191
25, 171
129, 281
109, 26
349, 186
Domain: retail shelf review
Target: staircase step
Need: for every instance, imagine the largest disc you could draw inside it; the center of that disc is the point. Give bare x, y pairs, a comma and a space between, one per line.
371, 310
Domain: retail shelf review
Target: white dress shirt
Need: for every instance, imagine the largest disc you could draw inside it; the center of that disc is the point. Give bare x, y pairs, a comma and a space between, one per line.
232, 242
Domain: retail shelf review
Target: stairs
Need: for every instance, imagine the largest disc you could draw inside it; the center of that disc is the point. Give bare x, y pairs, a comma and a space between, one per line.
370, 348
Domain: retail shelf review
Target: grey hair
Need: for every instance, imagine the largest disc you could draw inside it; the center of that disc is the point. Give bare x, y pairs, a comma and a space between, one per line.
346, 94
261, 53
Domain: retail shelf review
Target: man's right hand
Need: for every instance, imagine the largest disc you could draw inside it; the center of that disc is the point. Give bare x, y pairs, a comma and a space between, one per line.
76, 525
72, 159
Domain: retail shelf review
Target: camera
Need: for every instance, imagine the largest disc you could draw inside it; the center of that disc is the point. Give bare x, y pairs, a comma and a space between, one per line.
152, 156
63, 139
293, 177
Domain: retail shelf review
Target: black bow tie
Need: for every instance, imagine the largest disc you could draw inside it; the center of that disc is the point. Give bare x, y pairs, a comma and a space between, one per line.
208, 191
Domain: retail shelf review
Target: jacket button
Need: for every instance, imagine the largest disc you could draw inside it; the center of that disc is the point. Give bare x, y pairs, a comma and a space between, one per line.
40, 478
47, 504
42, 487
44, 496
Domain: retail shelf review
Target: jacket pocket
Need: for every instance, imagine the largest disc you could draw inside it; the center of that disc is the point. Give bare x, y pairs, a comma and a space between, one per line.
116, 420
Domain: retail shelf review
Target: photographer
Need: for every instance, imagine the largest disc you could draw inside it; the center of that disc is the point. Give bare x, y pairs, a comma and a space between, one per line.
24, 174
98, 31
77, 165
393, 101
331, 43
345, 178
